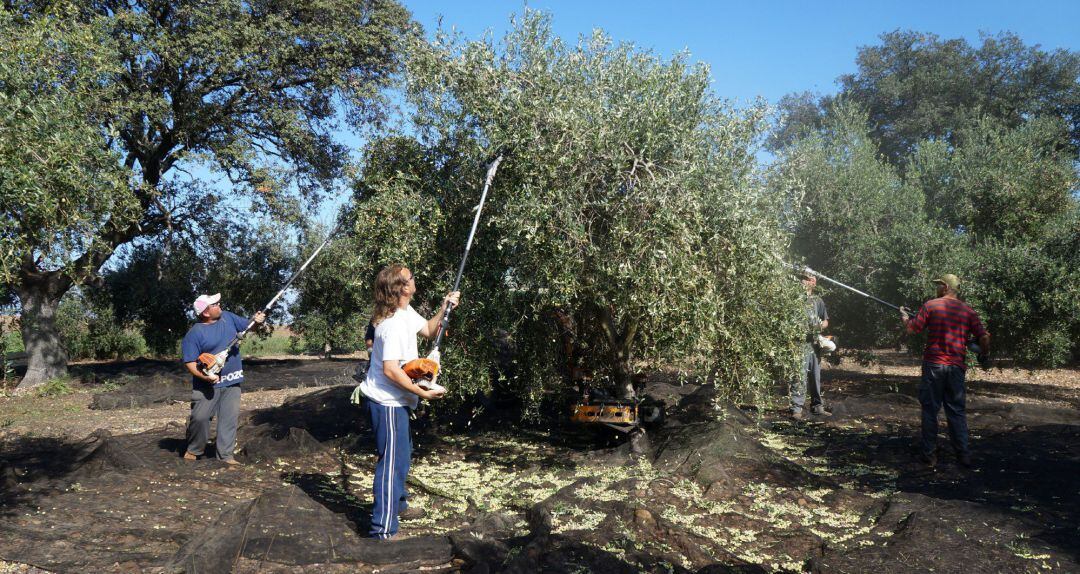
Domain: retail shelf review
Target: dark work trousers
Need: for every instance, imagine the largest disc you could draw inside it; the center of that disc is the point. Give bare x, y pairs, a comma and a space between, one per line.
390, 425
808, 381
943, 385
206, 403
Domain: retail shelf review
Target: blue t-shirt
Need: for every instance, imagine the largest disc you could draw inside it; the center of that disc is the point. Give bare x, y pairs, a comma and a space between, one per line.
212, 338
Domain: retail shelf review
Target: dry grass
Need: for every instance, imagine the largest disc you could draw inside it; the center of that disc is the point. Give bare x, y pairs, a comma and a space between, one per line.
1051, 387
16, 568
70, 415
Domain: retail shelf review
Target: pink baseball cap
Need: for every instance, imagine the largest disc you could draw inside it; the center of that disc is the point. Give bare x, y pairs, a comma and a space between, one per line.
205, 301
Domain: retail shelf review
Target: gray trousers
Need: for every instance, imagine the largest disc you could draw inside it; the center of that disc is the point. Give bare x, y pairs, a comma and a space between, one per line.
809, 380
206, 403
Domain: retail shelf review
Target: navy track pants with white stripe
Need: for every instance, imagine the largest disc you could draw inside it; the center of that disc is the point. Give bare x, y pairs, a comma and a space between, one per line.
390, 425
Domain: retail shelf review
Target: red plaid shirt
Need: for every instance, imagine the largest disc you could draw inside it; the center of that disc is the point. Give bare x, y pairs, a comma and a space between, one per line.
947, 322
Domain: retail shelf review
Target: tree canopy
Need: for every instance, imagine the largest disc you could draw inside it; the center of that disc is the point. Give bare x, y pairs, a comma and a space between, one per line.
252, 90
936, 156
59, 180
997, 210
631, 226
916, 86
626, 215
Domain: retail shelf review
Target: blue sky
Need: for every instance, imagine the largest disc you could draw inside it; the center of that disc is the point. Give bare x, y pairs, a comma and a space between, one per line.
755, 49
768, 48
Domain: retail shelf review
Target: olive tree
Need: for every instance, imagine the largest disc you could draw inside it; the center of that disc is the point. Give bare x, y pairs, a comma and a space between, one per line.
333, 302
62, 189
1010, 195
627, 205
853, 218
251, 90
999, 209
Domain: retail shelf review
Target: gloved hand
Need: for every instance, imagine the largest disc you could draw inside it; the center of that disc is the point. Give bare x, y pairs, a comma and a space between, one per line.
982, 356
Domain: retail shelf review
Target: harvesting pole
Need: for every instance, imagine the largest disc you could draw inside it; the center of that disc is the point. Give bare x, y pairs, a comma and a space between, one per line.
808, 271
212, 364
492, 168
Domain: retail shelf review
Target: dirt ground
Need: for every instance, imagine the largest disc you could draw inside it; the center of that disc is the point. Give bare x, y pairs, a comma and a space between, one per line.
728, 490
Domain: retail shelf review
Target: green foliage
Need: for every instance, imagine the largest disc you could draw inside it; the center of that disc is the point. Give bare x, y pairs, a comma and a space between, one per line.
56, 388
105, 102
855, 221
11, 338
984, 141
398, 211
918, 87
258, 86
1029, 299
255, 100
59, 181
155, 290
247, 266
89, 330
797, 115
1009, 197
1000, 211
1010, 183
10, 343
156, 283
333, 304
628, 203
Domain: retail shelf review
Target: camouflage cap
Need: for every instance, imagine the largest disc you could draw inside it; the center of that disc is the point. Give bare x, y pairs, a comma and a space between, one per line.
949, 280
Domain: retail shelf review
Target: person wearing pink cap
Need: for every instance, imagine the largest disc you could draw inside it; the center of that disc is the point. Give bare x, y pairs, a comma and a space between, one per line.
214, 395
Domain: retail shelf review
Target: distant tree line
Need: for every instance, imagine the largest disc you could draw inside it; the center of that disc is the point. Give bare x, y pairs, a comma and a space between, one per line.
937, 156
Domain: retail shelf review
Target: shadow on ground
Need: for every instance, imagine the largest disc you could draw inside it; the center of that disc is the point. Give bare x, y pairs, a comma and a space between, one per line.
1024, 473
855, 382
710, 492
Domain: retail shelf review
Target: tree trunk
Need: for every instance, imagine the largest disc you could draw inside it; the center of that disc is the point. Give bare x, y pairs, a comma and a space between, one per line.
45, 355
624, 374
567, 333
620, 341
40, 290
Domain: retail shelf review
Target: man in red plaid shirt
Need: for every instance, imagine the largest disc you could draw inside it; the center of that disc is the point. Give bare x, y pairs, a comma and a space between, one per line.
948, 322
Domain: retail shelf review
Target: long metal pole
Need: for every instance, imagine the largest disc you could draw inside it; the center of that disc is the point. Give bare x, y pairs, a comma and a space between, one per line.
468, 245
807, 270
288, 283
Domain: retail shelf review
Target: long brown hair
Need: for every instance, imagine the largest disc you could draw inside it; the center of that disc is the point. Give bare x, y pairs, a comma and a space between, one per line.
389, 284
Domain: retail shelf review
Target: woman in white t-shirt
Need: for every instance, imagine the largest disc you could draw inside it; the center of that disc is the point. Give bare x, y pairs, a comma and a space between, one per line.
389, 393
